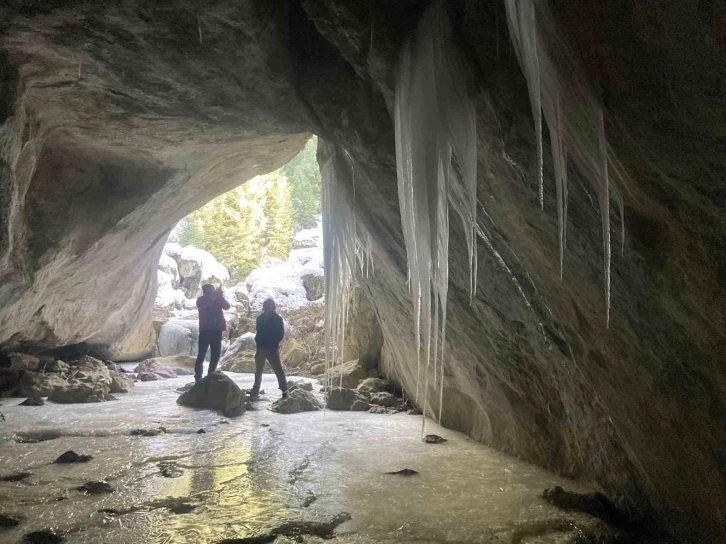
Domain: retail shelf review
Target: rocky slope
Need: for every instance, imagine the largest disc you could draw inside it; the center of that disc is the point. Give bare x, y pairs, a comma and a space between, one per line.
118, 124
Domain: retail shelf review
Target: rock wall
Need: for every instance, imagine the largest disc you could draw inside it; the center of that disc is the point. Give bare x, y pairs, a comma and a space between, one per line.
176, 104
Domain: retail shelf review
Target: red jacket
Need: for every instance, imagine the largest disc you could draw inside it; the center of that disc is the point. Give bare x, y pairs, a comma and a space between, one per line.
211, 315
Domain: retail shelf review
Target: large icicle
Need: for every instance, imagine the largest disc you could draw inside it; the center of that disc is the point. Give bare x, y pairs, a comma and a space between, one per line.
436, 158
575, 119
340, 246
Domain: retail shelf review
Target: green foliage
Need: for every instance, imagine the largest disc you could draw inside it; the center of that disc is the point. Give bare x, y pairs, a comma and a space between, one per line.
187, 233
277, 236
243, 225
259, 218
303, 175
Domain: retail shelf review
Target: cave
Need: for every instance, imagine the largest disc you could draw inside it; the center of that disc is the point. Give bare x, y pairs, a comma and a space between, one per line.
118, 121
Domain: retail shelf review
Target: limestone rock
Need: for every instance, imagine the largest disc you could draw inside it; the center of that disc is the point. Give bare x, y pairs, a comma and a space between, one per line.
35, 384
300, 384
152, 370
79, 392
353, 372
178, 337
314, 285
240, 356
386, 400
380, 410
293, 353
346, 399
57, 367
23, 361
297, 400
240, 361
120, 383
71, 456
33, 401
317, 368
374, 385
215, 392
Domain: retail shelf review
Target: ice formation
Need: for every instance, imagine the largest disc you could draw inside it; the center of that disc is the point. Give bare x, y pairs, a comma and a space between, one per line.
340, 249
574, 117
436, 159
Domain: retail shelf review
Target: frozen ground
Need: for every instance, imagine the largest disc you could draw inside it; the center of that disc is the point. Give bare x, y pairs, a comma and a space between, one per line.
243, 477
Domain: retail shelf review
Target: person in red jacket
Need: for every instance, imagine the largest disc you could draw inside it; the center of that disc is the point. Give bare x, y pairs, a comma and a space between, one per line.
211, 306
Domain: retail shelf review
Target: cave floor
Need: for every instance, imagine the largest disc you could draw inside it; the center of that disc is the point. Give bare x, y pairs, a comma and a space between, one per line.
245, 476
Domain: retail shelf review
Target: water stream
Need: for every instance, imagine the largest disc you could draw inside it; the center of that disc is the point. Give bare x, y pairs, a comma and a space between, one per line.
244, 476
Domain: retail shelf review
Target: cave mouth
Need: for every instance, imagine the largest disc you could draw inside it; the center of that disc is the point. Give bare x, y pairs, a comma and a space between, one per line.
260, 240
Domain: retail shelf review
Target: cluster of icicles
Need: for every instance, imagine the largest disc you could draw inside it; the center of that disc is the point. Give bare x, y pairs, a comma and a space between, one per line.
344, 247
436, 152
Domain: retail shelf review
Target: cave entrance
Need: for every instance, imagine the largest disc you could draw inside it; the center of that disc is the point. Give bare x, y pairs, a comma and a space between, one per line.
262, 239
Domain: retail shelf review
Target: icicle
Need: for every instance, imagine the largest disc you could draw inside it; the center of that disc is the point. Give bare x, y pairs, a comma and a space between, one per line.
605, 210
436, 159
573, 115
522, 19
339, 254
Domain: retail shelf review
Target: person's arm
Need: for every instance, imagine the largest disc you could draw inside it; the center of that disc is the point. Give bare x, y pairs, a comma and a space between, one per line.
222, 301
199, 306
280, 329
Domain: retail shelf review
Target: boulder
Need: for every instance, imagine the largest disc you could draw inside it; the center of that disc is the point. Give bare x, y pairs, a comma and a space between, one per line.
33, 401
300, 384
318, 368
240, 356
347, 400
175, 361
23, 361
120, 383
314, 285
293, 353
152, 370
374, 385
178, 337
215, 392
35, 384
298, 400
386, 400
353, 373
92, 372
57, 367
78, 392
197, 267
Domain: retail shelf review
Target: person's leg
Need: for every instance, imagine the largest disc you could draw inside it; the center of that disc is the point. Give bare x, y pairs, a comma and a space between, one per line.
259, 367
273, 356
216, 346
201, 354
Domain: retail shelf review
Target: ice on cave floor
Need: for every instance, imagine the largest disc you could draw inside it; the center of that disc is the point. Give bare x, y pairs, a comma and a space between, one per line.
240, 478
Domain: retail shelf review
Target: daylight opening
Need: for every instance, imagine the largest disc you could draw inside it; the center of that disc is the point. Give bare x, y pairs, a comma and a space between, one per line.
258, 241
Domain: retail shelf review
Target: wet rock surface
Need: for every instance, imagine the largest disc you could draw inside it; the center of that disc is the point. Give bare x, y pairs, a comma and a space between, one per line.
8, 521
96, 488
346, 399
153, 370
72, 457
47, 536
216, 392
298, 400
33, 401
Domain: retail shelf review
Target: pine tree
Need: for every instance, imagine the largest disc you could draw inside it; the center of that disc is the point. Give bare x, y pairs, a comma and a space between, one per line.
277, 236
303, 176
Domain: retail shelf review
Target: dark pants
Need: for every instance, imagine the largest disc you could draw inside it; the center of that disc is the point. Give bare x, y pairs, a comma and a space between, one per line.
208, 339
273, 356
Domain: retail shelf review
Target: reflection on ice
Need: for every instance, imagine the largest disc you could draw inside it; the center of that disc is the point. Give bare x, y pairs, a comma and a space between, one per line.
245, 476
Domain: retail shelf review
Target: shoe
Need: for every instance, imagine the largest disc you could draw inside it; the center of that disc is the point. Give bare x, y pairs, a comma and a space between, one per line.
253, 397
284, 394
